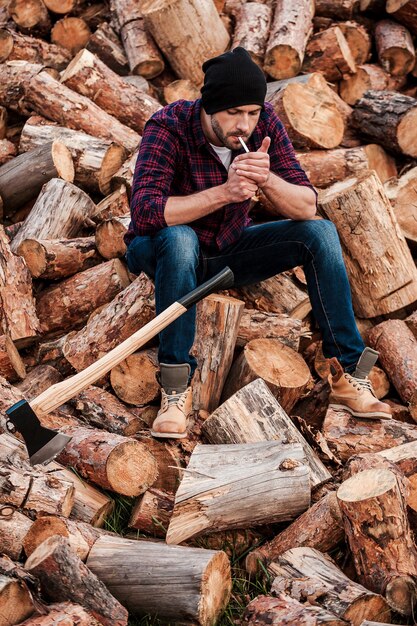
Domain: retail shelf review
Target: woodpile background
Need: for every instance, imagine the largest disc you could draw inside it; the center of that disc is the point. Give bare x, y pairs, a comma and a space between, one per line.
311, 515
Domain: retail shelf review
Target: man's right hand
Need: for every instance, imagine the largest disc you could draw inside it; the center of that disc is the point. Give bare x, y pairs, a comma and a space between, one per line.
239, 188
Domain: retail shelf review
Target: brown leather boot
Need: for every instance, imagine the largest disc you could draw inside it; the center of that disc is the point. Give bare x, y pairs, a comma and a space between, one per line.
354, 393
171, 421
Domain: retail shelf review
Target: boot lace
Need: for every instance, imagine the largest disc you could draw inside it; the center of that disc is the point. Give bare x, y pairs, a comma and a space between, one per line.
361, 383
173, 398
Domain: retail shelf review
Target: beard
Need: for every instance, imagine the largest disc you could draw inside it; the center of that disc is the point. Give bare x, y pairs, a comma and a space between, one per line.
224, 139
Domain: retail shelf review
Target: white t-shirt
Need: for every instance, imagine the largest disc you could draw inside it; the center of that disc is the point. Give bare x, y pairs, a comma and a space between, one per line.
224, 154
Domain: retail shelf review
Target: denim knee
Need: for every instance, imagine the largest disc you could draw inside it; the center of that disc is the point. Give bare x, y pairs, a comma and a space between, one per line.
322, 237
180, 243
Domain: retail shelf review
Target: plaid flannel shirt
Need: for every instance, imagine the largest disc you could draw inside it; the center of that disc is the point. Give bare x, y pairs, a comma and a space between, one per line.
176, 159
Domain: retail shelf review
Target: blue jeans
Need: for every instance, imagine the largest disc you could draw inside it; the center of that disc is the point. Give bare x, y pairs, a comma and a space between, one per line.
177, 263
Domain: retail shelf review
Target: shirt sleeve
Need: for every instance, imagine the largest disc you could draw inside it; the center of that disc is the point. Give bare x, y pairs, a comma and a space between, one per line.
283, 160
154, 172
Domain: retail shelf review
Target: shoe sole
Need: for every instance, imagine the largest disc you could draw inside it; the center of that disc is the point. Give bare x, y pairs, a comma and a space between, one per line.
169, 435
367, 416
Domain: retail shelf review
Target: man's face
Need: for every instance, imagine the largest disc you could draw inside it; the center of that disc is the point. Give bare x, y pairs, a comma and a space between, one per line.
233, 123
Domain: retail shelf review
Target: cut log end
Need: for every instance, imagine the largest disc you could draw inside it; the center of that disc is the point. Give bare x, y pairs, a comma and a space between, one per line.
401, 594
62, 159
128, 460
282, 62
6, 44
366, 484
407, 133
216, 588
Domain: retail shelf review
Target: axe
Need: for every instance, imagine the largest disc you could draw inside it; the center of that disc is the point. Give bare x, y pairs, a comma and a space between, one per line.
43, 444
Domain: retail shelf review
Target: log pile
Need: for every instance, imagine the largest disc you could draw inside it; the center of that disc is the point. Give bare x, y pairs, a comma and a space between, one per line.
320, 506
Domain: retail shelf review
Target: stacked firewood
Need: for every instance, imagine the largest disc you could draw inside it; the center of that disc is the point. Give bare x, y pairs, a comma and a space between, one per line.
78, 81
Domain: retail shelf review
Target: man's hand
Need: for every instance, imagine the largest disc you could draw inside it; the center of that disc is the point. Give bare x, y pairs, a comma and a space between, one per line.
254, 165
239, 188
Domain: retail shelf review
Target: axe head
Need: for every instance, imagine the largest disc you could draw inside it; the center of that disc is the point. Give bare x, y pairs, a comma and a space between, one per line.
43, 444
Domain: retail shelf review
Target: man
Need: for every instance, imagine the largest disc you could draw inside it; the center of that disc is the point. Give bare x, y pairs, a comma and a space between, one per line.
191, 197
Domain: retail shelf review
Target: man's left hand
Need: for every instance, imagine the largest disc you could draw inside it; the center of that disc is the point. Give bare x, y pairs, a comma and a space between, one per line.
254, 165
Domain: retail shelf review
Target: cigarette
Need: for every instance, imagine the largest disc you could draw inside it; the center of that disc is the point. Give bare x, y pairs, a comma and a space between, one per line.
244, 146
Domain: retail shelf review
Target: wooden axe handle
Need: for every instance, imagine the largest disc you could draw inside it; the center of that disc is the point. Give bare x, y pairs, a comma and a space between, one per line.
59, 393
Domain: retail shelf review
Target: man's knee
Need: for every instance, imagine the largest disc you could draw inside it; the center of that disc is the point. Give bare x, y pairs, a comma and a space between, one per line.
180, 243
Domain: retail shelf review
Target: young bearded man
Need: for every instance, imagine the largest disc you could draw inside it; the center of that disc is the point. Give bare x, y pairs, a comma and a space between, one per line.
191, 197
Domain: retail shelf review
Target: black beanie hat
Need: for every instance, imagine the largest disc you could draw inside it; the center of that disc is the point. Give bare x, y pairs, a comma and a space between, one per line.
231, 80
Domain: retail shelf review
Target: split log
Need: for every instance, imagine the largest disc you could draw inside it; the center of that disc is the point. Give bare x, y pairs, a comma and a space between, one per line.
124, 176
325, 167
110, 461
257, 324
142, 53
14, 527
343, 10
72, 33
37, 380
187, 33
63, 576
74, 208
395, 47
252, 30
11, 365
14, 79
134, 379
68, 304
404, 11
101, 409
217, 325
116, 204
90, 77
398, 353
347, 436
359, 41
169, 460
54, 259
129, 311
7, 152
182, 89
306, 107
290, 30
152, 513
155, 575
379, 536
239, 486
307, 575
284, 371
276, 611
107, 46
49, 97
368, 76
22, 179
31, 16
63, 613
17, 47
254, 415
388, 118
328, 52
18, 317
359, 209
81, 536
95, 160
16, 599
109, 236
278, 294
403, 195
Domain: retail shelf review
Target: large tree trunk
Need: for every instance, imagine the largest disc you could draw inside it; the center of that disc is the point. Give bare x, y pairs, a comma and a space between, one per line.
378, 532
388, 118
253, 414
89, 76
304, 573
359, 209
291, 28
166, 581
268, 478
187, 32
64, 576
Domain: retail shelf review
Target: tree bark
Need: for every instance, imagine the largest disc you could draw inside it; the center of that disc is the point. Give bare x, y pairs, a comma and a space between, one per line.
155, 577
307, 575
71, 33
109, 236
328, 52
257, 324
11, 365
395, 47
142, 53
134, 379
359, 210
37, 380
90, 77
188, 33
343, 10
22, 178
404, 11
152, 512
14, 79
291, 28
14, 527
64, 576
74, 208
124, 175
17, 47
284, 371
107, 46
252, 30
66, 612
320, 527
379, 536
49, 97
95, 160
239, 486
306, 107
265, 610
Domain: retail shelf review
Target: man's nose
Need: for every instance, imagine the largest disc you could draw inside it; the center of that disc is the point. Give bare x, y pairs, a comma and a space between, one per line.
243, 124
